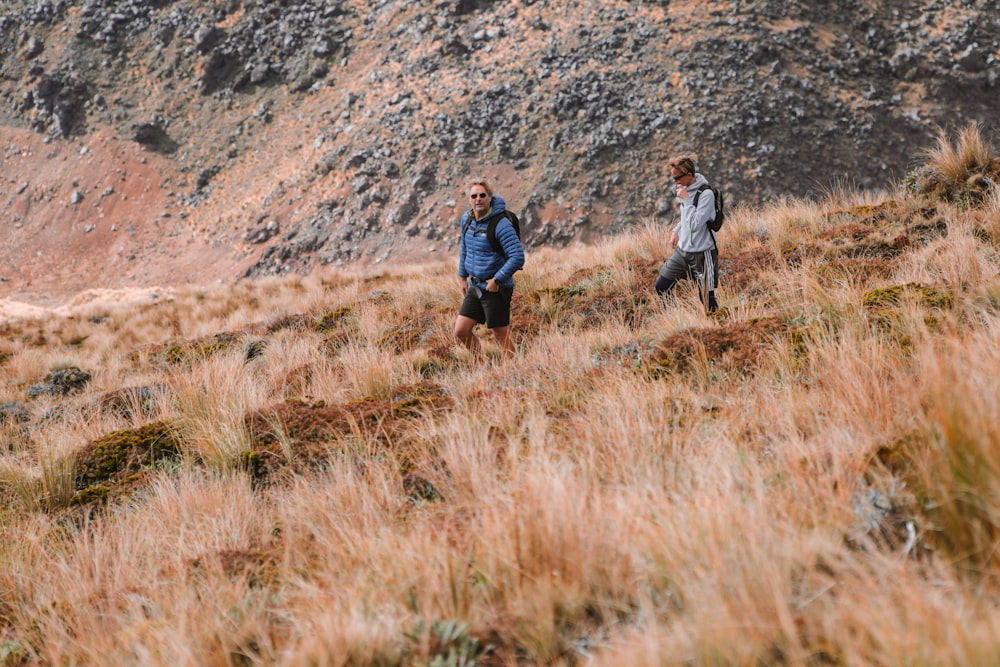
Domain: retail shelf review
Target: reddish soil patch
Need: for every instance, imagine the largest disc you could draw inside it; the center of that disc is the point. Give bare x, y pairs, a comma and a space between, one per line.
104, 213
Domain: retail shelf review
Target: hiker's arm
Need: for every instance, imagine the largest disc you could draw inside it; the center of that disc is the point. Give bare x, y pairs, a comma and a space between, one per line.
462, 273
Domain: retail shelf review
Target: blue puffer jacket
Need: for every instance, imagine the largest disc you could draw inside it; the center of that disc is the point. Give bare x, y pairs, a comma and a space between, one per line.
478, 258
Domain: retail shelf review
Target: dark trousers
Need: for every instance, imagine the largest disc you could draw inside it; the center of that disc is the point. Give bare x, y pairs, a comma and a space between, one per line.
698, 266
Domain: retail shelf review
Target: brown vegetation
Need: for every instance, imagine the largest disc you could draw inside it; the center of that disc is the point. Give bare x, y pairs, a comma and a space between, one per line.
308, 471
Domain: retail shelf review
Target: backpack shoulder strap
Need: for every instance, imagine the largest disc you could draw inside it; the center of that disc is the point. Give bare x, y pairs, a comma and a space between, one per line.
491, 231
698, 191
694, 202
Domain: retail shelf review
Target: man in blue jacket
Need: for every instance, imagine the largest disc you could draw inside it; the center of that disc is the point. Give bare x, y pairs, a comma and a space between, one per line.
487, 272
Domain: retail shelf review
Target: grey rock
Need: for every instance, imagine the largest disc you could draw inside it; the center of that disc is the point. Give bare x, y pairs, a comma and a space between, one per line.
14, 413
61, 382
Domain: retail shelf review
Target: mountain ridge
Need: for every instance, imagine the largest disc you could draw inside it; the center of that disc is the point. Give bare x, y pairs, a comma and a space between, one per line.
274, 138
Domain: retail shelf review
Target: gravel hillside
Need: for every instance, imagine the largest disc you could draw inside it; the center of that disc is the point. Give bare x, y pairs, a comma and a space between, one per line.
154, 142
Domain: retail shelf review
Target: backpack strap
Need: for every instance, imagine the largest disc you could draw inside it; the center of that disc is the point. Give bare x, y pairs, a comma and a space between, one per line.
694, 202
698, 191
491, 231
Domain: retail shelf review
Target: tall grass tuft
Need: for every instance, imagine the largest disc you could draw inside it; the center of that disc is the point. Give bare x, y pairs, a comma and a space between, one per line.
963, 171
989, 224
955, 161
211, 400
958, 470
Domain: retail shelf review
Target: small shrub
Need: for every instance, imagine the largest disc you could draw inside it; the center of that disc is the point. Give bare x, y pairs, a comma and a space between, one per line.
172, 354
129, 402
450, 644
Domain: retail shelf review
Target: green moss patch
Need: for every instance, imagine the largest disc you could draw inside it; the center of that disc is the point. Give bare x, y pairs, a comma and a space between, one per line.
589, 299
895, 295
885, 308
862, 269
119, 461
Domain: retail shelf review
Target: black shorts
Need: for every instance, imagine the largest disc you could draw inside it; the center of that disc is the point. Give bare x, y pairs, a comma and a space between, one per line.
493, 308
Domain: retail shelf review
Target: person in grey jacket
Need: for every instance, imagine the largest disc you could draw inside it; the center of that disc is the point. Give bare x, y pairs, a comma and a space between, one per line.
695, 253
486, 273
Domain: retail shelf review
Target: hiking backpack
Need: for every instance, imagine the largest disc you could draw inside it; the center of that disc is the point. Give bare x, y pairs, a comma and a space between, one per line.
491, 229
720, 211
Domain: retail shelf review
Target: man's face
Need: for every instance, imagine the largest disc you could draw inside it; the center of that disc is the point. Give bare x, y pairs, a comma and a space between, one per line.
681, 178
480, 200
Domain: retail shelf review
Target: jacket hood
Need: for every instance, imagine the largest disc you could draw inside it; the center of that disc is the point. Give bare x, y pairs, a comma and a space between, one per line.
497, 204
699, 181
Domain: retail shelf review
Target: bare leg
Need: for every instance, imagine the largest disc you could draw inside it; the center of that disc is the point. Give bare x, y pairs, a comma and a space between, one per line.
464, 327
506, 341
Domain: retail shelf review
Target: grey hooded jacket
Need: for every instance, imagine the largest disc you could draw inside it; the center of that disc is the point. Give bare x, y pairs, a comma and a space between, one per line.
692, 230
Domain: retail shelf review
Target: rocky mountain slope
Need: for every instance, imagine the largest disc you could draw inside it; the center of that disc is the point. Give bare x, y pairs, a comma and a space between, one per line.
151, 142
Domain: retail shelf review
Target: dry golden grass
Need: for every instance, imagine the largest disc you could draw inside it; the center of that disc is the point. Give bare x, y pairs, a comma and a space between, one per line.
308, 471
956, 160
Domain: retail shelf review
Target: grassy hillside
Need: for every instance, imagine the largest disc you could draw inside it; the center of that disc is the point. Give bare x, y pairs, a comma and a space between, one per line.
308, 471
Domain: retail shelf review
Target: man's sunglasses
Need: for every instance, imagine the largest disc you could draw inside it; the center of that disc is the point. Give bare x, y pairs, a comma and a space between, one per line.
481, 195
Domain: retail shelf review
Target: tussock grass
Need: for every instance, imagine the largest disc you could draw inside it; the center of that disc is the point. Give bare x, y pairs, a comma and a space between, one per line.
958, 471
806, 477
962, 170
211, 400
990, 220
955, 161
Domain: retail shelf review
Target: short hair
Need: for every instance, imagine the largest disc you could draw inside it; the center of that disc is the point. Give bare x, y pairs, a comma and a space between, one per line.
481, 182
684, 164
